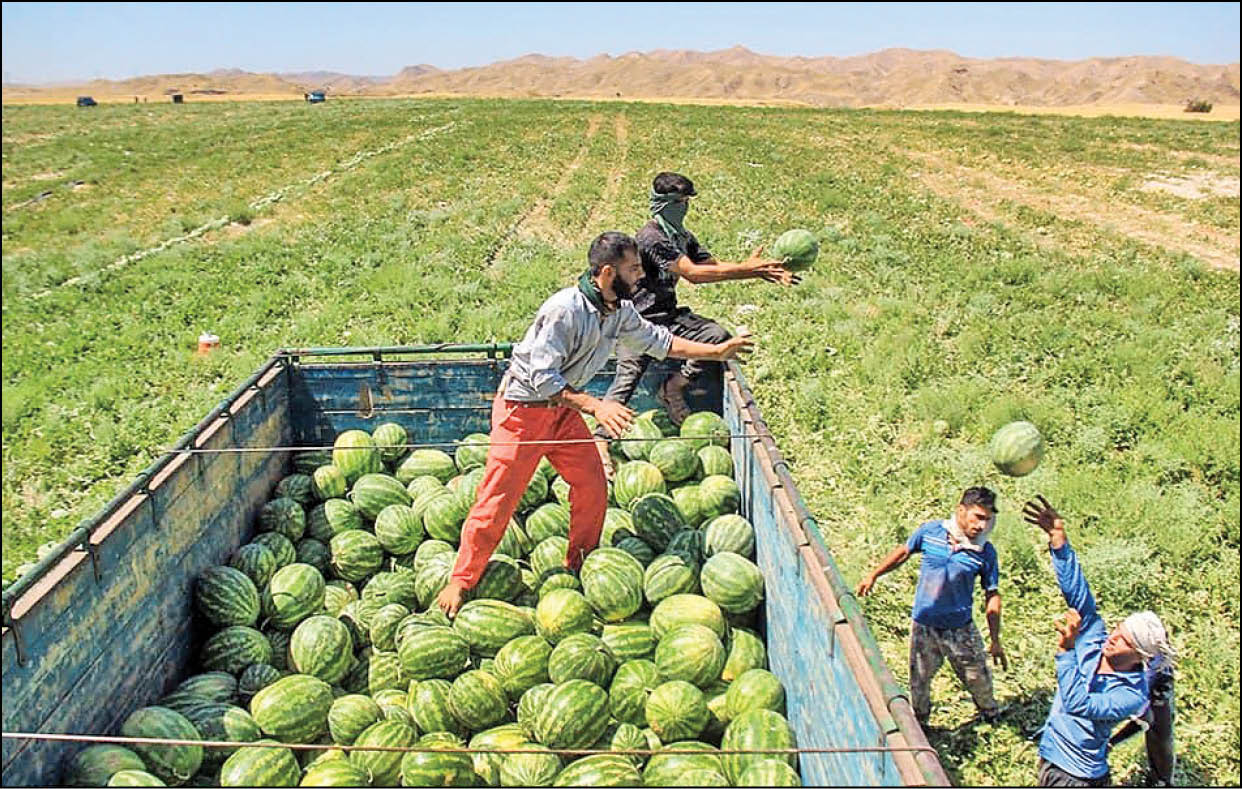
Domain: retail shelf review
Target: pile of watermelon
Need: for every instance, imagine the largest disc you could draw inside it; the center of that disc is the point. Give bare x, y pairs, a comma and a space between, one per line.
324, 629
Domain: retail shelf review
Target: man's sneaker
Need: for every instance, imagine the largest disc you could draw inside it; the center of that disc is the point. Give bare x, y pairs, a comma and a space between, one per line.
674, 399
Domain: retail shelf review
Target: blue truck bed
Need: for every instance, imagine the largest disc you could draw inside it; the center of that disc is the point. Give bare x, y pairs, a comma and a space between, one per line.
105, 623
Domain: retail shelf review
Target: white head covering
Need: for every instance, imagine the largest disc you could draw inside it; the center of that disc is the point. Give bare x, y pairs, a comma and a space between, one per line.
1149, 635
959, 539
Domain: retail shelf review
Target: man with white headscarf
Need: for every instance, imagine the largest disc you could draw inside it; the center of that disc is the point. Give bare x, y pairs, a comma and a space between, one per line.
1101, 677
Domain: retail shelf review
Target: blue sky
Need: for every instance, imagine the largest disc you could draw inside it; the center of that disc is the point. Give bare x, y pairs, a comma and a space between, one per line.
47, 42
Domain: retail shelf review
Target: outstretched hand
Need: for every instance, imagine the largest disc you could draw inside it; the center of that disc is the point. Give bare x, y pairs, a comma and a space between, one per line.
771, 270
734, 347
1047, 518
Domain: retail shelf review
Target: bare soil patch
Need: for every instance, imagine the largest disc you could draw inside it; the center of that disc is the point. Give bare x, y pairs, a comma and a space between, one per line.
1193, 187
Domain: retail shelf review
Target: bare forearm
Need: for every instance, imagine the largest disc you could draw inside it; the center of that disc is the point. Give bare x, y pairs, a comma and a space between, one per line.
715, 271
579, 401
894, 559
682, 348
992, 613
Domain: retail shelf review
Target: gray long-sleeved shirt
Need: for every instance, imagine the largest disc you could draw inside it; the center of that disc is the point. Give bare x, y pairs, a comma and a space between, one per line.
569, 342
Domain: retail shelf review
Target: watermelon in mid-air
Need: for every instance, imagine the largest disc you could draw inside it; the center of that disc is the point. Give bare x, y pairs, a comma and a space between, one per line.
796, 249
1016, 449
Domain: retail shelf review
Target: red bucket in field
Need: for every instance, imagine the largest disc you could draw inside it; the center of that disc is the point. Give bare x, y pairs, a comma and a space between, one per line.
208, 342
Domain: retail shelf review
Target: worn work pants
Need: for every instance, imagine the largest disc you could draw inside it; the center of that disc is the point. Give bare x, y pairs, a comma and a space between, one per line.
1049, 774
964, 648
688, 326
508, 471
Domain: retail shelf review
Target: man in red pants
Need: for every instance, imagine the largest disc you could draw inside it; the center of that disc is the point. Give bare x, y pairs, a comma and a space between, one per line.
541, 397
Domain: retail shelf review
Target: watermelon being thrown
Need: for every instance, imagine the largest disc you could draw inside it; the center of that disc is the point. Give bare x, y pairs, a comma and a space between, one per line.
796, 249
1017, 449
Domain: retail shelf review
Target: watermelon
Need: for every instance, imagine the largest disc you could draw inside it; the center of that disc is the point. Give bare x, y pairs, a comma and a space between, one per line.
581, 656
676, 710
398, 587
561, 613
280, 546
515, 543
521, 664
715, 461
746, 651
438, 769
398, 529
718, 496
217, 686
629, 640
357, 617
733, 582
313, 552
633, 681
698, 778
557, 578
637, 548
676, 460
328, 482
295, 592
134, 778
535, 494
255, 678
283, 516
687, 609
599, 770
548, 520
548, 555
529, 705
769, 772
796, 249
680, 758
472, 451
660, 417
384, 767
172, 764
350, 715
487, 625
692, 653
322, 647
235, 648
628, 737
732, 533
383, 631
279, 641
257, 561
261, 767
355, 453
689, 504
756, 689
356, 554
670, 574
612, 583
433, 653
715, 695
308, 461
635, 479
427, 463
293, 709
656, 519
703, 428
560, 490
95, 764
573, 715
298, 487
390, 439
420, 486
225, 723
507, 736
337, 595
753, 730
1016, 449
687, 543
331, 518
477, 700
432, 577
373, 492
428, 549
430, 707
334, 772
530, 769
466, 487
501, 580
638, 441
617, 524
443, 516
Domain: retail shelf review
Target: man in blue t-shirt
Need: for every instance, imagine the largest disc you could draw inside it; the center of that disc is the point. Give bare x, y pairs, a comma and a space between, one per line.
956, 551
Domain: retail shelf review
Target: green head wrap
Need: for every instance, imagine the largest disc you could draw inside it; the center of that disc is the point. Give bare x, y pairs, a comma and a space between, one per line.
669, 211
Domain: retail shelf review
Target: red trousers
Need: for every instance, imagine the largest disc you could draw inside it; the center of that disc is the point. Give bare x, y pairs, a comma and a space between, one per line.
509, 469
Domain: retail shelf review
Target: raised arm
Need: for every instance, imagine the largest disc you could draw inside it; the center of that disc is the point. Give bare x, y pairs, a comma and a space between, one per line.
754, 267
1065, 564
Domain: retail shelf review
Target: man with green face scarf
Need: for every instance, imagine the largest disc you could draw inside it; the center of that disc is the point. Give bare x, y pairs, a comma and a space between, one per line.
670, 252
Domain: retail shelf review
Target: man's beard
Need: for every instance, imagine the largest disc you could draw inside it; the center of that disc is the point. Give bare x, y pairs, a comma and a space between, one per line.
622, 290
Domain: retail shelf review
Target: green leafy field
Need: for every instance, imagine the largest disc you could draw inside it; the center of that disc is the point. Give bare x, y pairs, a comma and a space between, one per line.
975, 269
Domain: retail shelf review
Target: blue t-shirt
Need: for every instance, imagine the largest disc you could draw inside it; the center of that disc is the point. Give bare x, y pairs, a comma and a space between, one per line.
944, 594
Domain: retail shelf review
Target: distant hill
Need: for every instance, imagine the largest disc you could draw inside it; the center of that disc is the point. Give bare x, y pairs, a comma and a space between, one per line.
891, 77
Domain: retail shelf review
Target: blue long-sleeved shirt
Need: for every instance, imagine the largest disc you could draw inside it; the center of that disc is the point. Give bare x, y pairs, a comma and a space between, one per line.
1087, 704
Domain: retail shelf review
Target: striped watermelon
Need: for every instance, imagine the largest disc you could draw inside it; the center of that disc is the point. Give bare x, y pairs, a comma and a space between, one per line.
628, 737
698, 778
466, 487
715, 460
309, 460
433, 653
530, 769
548, 520
670, 574
95, 764
732, 582
633, 681
430, 707
689, 504
612, 583
331, 518
704, 428
384, 623
756, 689
472, 451
298, 487
656, 519
398, 529
746, 651
280, 546
337, 595
501, 580
279, 640
293, 709
438, 769
719, 495
420, 486
753, 730
328, 482
443, 517
217, 686
635, 479
638, 441
637, 548
507, 736
334, 772
487, 625
514, 543
548, 555
676, 710
257, 561
428, 549
427, 463
617, 524
529, 705
715, 695
384, 672
134, 778
357, 617
283, 516
521, 664
172, 764
581, 656
629, 640
255, 678
261, 767
235, 648
355, 681
313, 552
558, 578
321, 646
356, 554
396, 587
295, 592
692, 653
573, 715
1016, 449
373, 492
384, 767
769, 772
390, 438
599, 770
355, 453
225, 723
676, 460
432, 577
477, 700
687, 609
732, 533
680, 758
561, 613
